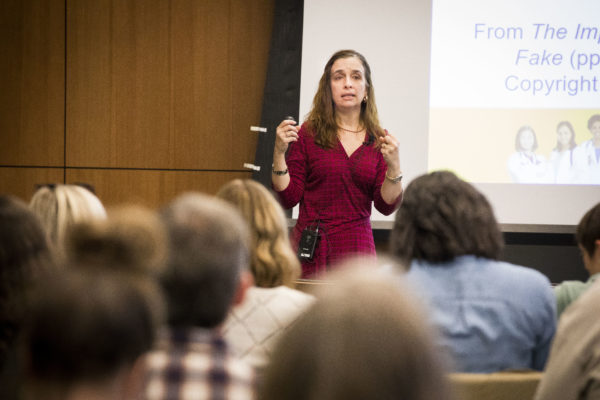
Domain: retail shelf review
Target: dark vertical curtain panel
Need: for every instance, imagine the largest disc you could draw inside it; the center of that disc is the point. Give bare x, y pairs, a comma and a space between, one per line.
282, 88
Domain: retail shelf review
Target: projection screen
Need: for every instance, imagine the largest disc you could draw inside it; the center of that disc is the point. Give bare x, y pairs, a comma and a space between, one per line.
457, 80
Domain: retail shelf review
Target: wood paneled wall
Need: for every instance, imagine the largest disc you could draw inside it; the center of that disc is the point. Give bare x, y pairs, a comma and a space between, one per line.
32, 65
144, 99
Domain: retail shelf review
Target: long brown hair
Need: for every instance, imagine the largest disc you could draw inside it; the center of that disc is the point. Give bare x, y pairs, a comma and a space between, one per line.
321, 118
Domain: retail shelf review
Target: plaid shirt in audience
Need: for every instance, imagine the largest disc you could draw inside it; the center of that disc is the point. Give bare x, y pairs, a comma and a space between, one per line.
196, 364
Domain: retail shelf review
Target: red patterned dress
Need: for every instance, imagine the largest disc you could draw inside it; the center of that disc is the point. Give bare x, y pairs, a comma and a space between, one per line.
337, 192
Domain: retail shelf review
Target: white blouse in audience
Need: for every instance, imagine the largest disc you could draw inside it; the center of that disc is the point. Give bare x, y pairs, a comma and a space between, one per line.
254, 326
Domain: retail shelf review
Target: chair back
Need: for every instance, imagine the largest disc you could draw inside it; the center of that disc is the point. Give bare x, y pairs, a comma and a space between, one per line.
509, 385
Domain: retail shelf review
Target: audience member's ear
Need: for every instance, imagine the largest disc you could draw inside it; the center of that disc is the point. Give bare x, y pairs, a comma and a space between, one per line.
246, 281
596, 248
132, 382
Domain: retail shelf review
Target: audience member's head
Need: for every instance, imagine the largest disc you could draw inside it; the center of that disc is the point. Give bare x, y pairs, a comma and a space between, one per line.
443, 217
131, 243
24, 254
132, 239
60, 206
365, 338
273, 262
588, 238
85, 334
89, 324
208, 260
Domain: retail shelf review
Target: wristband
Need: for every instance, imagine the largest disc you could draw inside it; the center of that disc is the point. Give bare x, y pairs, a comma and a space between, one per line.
279, 173
393, 180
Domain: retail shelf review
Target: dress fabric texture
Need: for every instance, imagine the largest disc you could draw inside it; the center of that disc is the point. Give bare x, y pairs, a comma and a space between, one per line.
194, 364
573, 370
253, 328
489, 315
336, 193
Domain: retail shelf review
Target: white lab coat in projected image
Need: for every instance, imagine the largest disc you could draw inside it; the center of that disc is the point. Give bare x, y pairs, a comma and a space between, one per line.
528, 167
587, 158
566, 166
525, 166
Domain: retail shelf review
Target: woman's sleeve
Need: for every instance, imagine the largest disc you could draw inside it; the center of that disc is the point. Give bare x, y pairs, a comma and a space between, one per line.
296, 161
380, 204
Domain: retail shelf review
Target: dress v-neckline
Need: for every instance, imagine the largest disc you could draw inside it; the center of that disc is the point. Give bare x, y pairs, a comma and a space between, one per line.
349, 155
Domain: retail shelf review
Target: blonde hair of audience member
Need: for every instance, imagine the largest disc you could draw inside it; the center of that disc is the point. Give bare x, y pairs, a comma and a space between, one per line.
273, 262
91, 324
365, 338
60, 206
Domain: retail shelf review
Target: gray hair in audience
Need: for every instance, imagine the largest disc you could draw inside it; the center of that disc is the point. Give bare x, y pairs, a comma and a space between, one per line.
443, 217
208, 250
365, 338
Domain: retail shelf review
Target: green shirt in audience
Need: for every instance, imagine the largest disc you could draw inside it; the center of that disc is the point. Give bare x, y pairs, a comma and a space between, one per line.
568, 291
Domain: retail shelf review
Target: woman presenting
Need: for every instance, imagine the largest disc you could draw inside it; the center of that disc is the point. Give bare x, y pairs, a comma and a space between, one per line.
340, 163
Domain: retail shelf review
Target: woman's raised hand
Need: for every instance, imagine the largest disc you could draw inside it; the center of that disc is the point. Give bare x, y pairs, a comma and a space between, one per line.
390, 153
287, 132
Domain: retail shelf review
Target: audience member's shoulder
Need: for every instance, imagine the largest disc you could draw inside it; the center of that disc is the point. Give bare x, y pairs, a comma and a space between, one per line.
567, 292
281, 297
527, 273
567, 287
295, 294
579, 320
